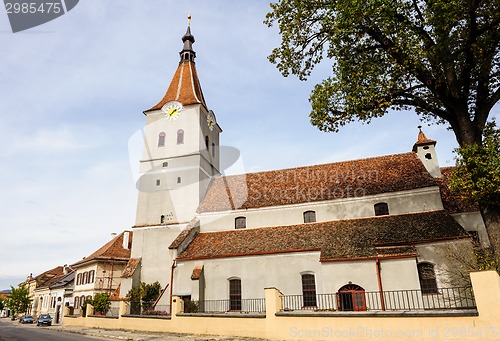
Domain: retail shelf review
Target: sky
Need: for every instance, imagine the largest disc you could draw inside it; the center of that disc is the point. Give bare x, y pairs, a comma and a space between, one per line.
73, 92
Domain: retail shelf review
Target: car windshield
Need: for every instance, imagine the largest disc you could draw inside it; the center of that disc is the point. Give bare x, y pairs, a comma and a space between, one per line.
44, 316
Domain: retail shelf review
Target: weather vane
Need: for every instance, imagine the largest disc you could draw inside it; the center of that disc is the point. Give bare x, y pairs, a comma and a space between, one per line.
189, 19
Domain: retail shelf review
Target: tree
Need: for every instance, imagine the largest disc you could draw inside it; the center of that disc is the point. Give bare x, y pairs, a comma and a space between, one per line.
101, 303
440, 58
144, 295
2, 304
19, 301
477, 176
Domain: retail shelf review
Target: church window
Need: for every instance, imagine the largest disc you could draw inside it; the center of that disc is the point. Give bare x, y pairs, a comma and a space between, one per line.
206, 142
240, 223
179, 180
158, 182
309, 290
161, 139
235, 294
162, 219
213, 149
165, 164
427, 278
180, 136
381, 208
309, 217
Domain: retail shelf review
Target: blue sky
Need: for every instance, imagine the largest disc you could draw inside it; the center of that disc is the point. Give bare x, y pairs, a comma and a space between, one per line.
72, 95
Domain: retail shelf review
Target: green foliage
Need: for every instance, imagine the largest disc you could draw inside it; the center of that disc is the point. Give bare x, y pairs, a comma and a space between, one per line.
101, 303
146, 294
439, 57
477, 176
2, 304
19, 300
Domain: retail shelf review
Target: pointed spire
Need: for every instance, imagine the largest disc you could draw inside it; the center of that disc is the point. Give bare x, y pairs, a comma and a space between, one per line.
185, 86
187, 52
422, 140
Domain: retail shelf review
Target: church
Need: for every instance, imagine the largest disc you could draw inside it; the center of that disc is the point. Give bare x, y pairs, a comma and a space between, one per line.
377, 224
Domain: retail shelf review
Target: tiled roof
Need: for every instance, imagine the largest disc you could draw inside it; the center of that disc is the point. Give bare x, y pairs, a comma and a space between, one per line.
317, 183
383, 236
131, 266
185, 87
195, 222
197, 272
422, 140
49, 277
452, 202
64, 279
111, 250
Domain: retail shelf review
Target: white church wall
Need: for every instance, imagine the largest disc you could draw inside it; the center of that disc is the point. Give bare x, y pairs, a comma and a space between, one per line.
399, 274
472, 221
337, 274
413, 201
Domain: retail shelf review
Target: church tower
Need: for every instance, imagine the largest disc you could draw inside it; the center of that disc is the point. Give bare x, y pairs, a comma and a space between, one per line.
180, 155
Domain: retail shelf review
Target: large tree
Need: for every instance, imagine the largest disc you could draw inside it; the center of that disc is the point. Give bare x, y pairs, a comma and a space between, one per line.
19, 301
438, 57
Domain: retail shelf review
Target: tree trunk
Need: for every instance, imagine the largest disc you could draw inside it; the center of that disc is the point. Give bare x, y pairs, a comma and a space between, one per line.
491, 217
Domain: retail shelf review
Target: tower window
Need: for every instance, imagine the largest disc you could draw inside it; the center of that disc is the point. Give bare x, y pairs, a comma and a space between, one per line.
158, 182
213, 149
179, 180
309, 217
165, 164
161, 139
162, 219
206, 142
428, 156
381, 208
427, 278
240, 223
180, 136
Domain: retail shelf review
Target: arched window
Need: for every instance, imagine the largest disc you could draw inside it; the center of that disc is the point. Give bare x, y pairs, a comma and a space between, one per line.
180, 136
381, 208
213, 149
179, 179
82, 300
427, 278
162, 219
79, 279
351, 297
85, 276
309, 217
161, 139
309, 290
206, 142
76, 304
235, 294
91, 276
240, 223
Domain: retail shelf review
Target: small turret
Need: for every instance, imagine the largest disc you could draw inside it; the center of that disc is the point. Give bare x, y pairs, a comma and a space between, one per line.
426, 151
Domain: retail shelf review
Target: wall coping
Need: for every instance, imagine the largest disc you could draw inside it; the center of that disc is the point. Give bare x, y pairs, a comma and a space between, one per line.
434, 313
224, 315
157, 317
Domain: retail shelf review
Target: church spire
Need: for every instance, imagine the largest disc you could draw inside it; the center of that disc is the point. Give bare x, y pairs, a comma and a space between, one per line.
185, 86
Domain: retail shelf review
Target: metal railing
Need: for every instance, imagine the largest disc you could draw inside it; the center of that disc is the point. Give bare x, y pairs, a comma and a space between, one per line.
398, 300
253, 305
148, 308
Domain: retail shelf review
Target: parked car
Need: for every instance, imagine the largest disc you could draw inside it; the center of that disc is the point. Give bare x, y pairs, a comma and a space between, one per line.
44, 320
27, 319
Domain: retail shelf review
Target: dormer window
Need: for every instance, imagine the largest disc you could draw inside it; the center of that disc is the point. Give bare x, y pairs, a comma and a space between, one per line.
240, 223
381, 208
309, 217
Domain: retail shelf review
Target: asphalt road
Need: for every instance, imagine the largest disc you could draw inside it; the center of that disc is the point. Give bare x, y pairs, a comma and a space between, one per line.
26, 332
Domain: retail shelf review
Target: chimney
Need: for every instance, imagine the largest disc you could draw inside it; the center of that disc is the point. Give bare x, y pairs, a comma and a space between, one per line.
65, 269
126, 238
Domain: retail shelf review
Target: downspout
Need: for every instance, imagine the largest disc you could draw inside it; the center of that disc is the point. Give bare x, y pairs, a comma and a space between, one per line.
382, 300
172, 284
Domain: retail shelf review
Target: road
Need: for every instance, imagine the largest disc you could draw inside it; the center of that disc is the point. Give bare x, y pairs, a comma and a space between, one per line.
26, 332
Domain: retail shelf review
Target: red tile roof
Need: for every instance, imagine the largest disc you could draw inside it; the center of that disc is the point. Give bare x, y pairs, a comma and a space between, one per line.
185, 87
132, 265
422, 140
111, 250
49, 277
452, 202
383, 236
317, 183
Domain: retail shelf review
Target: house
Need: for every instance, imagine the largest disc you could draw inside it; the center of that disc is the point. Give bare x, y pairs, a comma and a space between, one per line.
378, 224
101, 271
39, 289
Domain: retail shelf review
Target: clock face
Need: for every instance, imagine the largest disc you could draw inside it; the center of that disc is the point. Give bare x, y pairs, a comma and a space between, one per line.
210, 121
172, 110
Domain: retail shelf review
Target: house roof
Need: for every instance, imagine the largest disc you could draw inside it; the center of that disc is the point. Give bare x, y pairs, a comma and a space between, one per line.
112, 250
132, 265
346, 179
452, 202
64, 279
422, 140
185, 86
49, 277
382, 236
